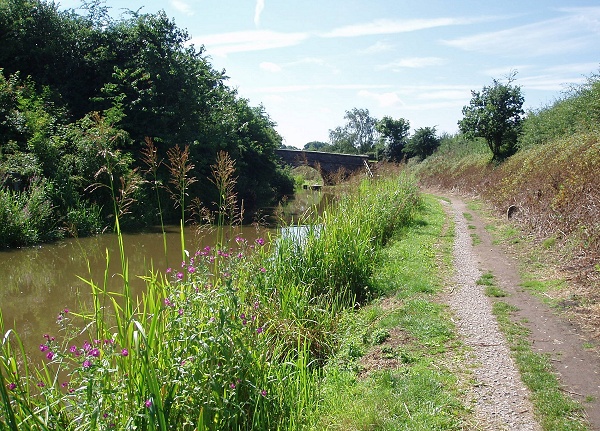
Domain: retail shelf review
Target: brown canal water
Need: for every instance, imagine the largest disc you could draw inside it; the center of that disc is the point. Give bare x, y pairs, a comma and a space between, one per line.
37, 283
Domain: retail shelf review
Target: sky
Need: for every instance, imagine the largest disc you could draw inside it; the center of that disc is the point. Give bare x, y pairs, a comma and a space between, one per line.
309, 61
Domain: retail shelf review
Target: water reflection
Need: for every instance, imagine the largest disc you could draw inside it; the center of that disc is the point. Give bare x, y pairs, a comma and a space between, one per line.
37, 283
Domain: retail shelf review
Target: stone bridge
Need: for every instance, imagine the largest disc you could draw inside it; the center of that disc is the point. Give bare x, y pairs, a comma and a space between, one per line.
328, 164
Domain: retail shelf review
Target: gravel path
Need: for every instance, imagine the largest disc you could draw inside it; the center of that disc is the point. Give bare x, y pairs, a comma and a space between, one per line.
500, 399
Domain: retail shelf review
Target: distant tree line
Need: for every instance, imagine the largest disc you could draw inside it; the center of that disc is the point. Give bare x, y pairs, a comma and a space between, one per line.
386, 139
495, 114
82, 99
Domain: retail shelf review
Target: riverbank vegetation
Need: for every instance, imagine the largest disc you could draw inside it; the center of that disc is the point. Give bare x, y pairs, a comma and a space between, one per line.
75, 88
236, 337
550, 187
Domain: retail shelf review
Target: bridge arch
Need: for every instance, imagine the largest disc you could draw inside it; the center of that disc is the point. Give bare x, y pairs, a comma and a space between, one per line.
329, 165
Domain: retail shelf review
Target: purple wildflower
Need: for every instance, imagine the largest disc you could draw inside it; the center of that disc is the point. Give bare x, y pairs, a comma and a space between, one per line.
40, 384
12, 386
124, 352
191, 269
180, 276
87, 363
43, 347
260, 241
50, 355
263, 393
95, 353
259, 330
168, 271
148, 403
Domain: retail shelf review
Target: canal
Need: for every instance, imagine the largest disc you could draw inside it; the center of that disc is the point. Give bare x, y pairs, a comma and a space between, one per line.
37, 283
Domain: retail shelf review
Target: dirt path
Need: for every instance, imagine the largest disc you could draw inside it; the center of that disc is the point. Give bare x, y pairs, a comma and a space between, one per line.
501, 401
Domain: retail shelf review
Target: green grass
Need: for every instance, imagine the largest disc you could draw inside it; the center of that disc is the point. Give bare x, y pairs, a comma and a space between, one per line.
475, 239
555, 410
421, 390
235, 338
487, 279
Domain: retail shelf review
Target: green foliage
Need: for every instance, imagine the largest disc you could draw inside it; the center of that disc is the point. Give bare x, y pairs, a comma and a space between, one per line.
139, 75
495, 114
357, 136
393, 137
410, 385
316, 146
576, 112
422, 143
25, 217
216, 344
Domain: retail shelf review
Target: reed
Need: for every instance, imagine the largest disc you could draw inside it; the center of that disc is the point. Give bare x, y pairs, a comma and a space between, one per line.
234, 338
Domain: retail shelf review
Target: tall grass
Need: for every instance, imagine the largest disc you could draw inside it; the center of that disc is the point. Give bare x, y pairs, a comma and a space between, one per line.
233, 338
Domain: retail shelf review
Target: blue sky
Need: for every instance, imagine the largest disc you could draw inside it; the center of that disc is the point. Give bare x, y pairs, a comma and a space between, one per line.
309, 61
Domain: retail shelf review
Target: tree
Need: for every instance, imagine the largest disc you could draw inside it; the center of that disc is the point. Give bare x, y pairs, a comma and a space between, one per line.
316, 146
393, 136
422, 143
495, 114
357, 136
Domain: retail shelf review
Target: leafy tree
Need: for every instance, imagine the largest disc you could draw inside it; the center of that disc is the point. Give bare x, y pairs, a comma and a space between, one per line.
393, 137
316, 146
357, 136
495, 114
121, 80
341, 141
422, 143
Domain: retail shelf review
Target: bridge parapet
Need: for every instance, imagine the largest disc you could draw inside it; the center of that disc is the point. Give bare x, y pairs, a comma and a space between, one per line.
327, 163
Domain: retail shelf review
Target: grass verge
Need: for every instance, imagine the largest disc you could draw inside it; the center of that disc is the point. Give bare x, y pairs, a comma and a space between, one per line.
395, 367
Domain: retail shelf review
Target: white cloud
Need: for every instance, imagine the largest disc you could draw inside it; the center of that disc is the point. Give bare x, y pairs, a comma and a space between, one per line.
243, 41
549, 82
377, 48
260, 5
182, 7
413, 63
387, 26
501, 72
383, 99
303, 88
270, 67
577, 30
458, 94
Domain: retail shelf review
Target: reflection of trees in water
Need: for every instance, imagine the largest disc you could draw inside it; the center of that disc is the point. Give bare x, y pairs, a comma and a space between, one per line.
37, 283
305, 204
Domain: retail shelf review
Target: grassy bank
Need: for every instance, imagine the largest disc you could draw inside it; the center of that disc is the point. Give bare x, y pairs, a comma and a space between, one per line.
551, 186
235, 337
397, 366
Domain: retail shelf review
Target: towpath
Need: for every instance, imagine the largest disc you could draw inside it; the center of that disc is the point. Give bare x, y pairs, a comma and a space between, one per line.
501, 400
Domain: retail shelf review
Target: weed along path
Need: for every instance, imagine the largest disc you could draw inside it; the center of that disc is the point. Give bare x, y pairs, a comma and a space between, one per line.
530, 367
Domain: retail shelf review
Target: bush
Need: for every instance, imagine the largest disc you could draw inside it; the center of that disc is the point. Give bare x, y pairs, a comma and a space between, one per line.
27, 217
